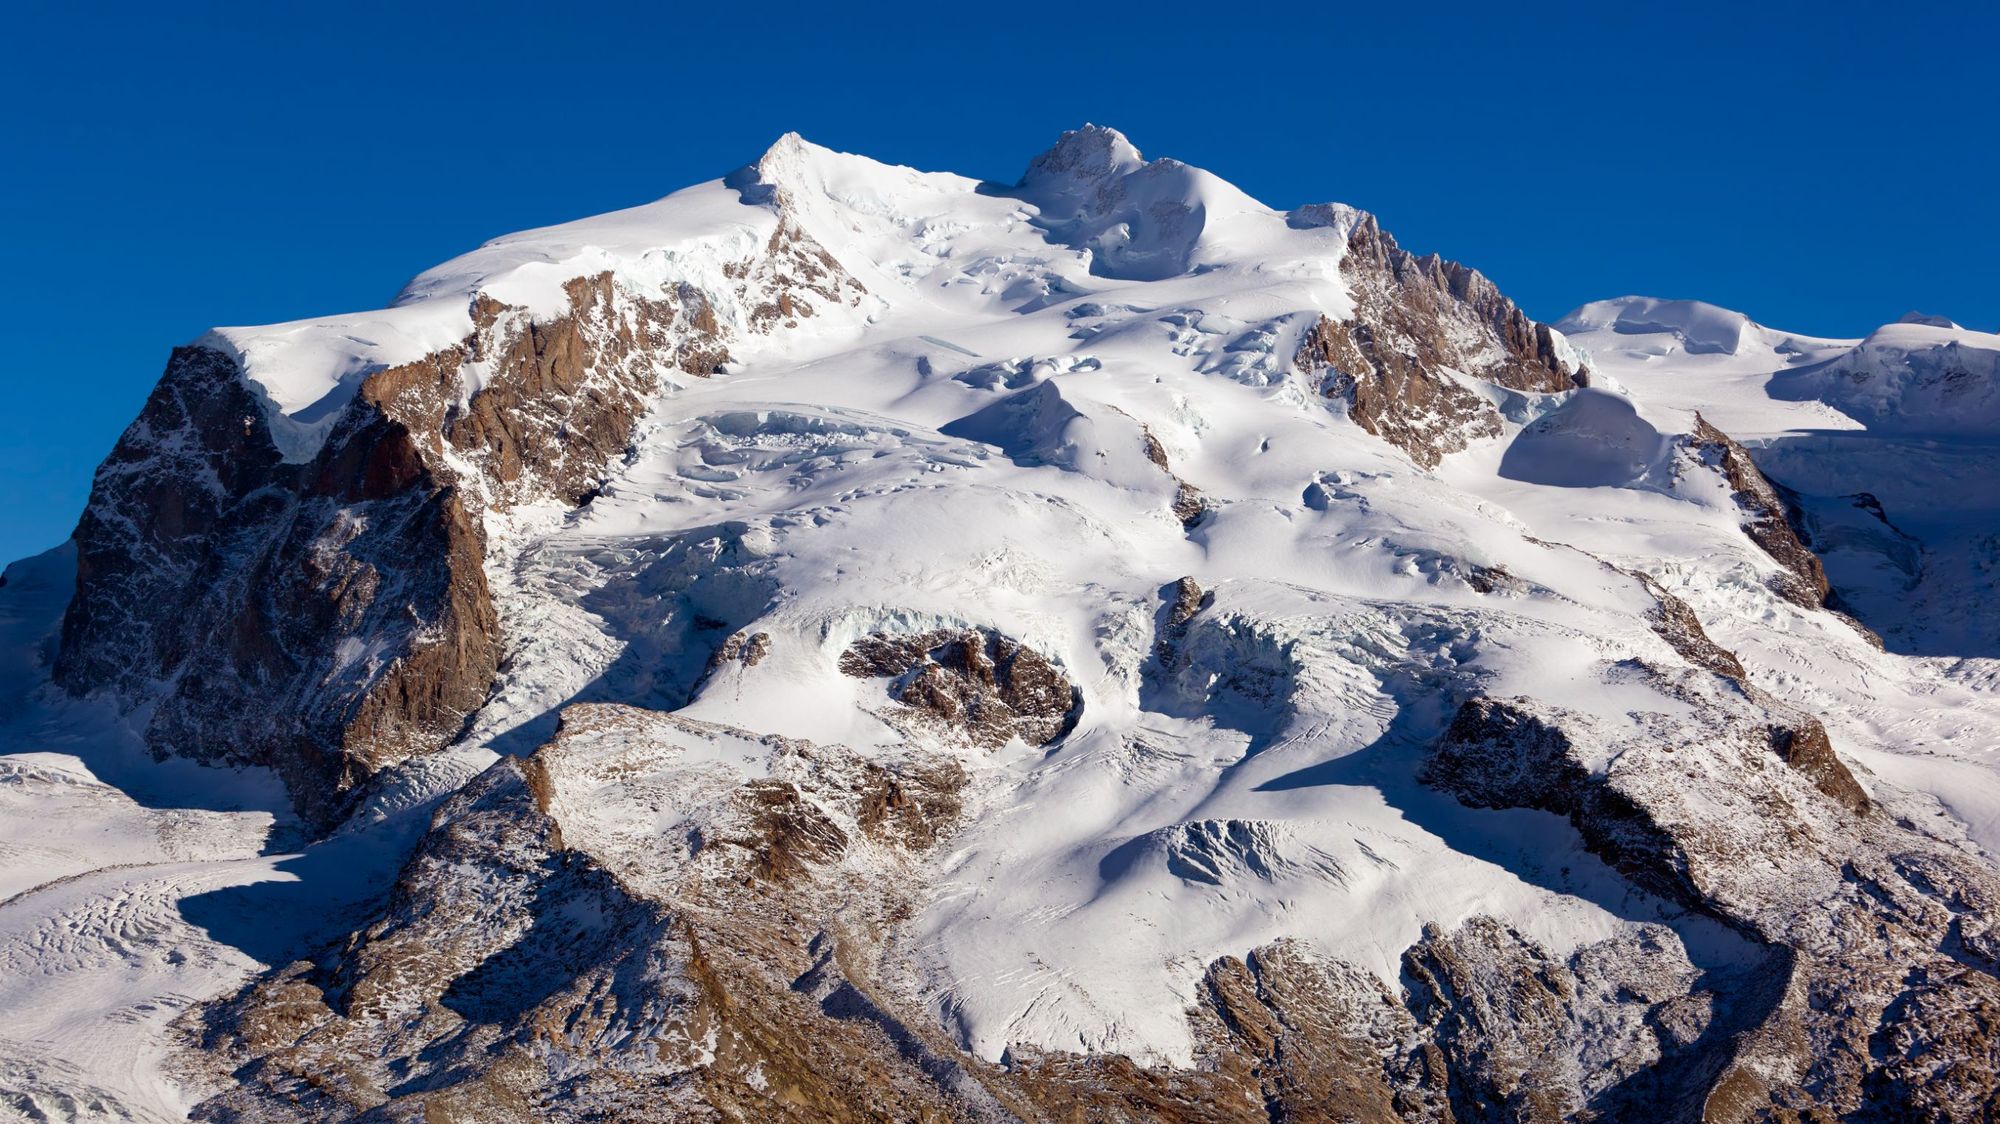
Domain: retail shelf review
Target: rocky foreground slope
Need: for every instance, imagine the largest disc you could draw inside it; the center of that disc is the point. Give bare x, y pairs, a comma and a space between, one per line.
845, 643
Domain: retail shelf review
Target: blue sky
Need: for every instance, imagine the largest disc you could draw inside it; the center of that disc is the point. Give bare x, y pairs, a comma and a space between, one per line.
1822, 167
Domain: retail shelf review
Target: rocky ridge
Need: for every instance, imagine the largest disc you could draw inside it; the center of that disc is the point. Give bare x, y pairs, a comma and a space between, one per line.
344, 598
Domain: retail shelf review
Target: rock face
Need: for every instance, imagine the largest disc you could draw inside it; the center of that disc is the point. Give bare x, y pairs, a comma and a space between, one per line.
1188, 506
327, 618
550, 918
1850, 904
1417, 323
1622, 1029
1765, 516
341, 603
544, 925
708, 891
1676, 623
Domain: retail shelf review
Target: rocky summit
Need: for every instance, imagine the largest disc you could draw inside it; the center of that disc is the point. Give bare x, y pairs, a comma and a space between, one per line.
845, 643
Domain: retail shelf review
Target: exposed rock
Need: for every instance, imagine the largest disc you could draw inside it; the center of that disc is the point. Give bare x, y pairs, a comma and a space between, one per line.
973, 684
748, 650
1443, 314
610, 892
1804, 747
785, 834
1416, 322
1620, 1029
1676, 623
1188, 599
1188, 505
1882, 937
792, 269
1422, 411
913, 806
1281, 1035
652, 917
327, 618
493, 983
550, 951
1183, 598
1493, 579
1497, 755
567, 393
1765, 518
1773, 520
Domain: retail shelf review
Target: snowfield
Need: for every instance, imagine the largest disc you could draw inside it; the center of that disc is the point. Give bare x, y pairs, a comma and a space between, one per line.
997, 435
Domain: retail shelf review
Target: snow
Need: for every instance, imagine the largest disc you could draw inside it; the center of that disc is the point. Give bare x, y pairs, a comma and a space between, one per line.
306, 370
1688, 356
968, 450
1911, 378
976, 458
1596, 438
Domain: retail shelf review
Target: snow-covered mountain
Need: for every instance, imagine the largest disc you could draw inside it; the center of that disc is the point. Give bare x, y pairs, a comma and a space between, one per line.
841, 642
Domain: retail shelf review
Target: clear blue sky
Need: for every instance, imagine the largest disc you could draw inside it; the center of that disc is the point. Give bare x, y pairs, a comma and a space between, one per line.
1822, 167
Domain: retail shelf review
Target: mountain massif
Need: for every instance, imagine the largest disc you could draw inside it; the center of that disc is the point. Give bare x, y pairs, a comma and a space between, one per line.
848, 643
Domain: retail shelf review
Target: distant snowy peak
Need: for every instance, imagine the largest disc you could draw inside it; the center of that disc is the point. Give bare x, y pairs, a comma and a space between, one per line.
1699, 327
1925, 318
1140, 220
1096, 647
1921, 374
1911, 377
1085, 156
1088, 214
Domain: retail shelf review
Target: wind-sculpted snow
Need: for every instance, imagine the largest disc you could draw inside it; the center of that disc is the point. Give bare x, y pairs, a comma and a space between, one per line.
843, 642
1912, 378
1596, 439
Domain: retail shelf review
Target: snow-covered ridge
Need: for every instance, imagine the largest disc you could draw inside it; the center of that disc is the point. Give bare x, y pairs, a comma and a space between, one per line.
307, 370
1697, 327
1918, 374
1091, 202
1911, 377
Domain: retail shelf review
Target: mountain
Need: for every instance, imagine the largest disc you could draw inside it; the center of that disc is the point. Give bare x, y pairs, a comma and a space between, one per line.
848, 643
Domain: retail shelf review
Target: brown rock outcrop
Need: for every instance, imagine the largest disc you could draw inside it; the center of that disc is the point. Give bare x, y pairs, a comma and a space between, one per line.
1415, 321
973, 684
1420, 410
1188, 506
517, 969
1765, 519
1804, 746
327, 618
1674, 621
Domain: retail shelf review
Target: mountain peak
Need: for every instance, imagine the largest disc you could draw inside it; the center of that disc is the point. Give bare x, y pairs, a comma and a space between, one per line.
1091, 153
784, 167
1928, 320
1702, 328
